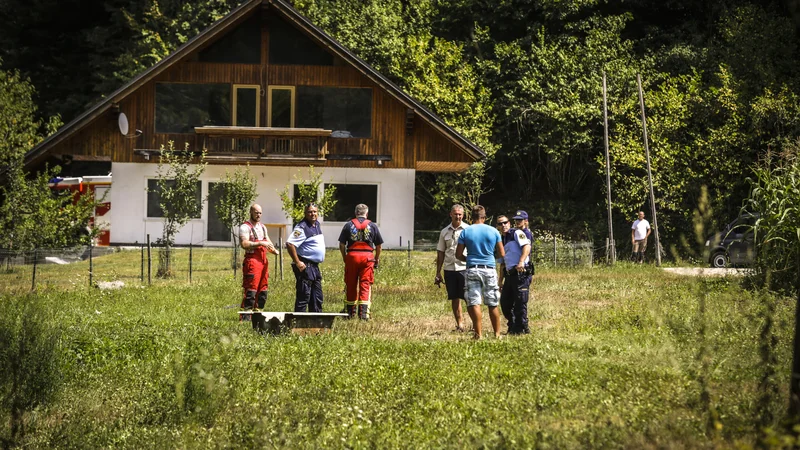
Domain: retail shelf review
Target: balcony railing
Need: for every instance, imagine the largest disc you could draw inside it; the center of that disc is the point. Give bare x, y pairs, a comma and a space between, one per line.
264, 143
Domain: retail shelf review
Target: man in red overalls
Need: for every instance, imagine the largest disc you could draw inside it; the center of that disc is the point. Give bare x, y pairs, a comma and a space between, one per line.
255, 274
358, 239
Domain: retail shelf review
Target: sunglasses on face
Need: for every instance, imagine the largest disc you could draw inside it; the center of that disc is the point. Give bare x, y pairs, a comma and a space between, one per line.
501, 223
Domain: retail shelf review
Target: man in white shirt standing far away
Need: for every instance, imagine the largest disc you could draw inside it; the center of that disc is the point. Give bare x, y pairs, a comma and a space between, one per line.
640, 231
455, 271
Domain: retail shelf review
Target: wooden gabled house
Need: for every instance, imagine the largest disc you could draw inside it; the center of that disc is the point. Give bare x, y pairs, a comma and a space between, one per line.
262, 86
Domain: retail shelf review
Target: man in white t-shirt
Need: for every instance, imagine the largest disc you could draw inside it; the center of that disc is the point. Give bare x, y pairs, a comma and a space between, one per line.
640, 231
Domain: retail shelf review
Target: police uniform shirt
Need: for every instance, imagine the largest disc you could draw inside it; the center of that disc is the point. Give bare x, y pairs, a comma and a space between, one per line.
374, 234
515, 240
245, 232
308, 241
448, 241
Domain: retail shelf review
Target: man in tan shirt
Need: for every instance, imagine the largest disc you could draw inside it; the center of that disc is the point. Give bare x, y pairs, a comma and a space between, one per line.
454, 269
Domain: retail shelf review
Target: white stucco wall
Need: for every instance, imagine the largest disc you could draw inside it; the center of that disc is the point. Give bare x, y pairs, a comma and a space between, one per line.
130, 224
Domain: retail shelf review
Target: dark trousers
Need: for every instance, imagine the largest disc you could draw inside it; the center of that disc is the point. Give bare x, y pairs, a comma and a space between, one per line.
514, 300
308, 288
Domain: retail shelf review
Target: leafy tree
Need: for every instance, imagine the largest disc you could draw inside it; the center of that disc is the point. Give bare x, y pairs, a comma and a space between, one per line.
178, 184
237, 191
19, 131
307, 192
34, 216
31, 214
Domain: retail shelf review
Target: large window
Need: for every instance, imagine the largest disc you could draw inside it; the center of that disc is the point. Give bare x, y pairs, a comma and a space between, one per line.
242, 45
154, 198
216, 231
350, 195
289, 46
339, 109
182, 106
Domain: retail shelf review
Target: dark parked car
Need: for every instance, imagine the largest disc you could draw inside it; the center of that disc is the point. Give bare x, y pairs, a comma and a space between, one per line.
733, 246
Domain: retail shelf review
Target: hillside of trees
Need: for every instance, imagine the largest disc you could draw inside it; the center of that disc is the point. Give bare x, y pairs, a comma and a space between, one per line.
521, 78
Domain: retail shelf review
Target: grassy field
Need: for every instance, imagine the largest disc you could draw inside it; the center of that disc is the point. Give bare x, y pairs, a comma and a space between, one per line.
628, 357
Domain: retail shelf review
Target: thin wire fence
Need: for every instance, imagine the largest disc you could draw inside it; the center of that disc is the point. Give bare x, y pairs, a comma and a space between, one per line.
112, 267
546, 251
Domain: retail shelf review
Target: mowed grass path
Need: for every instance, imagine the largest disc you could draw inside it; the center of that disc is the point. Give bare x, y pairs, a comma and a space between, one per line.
613, 362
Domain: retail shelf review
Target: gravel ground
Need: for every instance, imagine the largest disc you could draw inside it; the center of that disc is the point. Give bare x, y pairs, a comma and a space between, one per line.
706, 271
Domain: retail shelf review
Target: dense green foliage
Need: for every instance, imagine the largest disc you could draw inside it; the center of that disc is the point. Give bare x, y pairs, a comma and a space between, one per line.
31, 215
622, 358
521, 78
775, 199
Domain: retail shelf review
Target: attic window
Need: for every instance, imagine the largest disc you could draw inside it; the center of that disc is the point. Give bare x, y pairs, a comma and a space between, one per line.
289, 46
242, 45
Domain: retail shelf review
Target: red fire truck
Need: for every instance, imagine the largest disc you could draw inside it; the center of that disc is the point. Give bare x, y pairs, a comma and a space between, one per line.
98, 186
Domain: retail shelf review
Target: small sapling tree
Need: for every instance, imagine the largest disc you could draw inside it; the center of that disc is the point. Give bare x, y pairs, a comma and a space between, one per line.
305, 191
237, 190
178, 187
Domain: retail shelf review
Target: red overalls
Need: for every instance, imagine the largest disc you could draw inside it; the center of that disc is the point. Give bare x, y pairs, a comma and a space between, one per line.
359, 269
255, 273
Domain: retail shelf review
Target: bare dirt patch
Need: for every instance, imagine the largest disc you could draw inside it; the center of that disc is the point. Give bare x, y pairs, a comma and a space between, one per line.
707, 271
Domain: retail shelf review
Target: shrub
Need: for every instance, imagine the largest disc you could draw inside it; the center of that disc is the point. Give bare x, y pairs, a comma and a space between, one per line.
775, 199
29, 366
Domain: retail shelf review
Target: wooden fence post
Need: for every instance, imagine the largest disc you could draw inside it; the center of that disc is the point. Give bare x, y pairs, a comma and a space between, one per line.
190, 262
149, 262
91, 265
141, 275
35, 258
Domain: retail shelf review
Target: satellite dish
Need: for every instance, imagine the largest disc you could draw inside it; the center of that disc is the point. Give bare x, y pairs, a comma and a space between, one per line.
122, 121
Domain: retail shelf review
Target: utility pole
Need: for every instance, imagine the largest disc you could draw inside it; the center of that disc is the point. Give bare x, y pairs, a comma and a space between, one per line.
649, 171
612, 247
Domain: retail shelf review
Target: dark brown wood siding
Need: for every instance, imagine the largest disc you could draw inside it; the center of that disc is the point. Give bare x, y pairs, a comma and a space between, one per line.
389, 135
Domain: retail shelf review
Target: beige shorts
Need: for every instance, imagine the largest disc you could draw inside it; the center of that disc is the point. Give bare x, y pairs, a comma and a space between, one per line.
639, 246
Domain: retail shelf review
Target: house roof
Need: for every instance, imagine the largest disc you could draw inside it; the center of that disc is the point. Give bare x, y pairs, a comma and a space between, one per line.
221, 26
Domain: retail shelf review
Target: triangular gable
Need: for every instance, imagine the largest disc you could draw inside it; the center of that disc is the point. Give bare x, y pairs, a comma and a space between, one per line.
227, 23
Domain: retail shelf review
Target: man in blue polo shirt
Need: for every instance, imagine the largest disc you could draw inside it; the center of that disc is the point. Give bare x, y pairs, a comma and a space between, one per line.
306, 246
482, 242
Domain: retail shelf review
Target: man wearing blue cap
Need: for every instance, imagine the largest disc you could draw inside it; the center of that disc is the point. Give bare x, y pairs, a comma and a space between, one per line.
517, 273
306, 246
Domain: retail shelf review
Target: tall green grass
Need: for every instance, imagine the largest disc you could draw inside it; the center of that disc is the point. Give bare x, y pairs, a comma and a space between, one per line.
613, 362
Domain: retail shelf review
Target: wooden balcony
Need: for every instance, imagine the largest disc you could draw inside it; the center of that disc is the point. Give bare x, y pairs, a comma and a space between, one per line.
261, 143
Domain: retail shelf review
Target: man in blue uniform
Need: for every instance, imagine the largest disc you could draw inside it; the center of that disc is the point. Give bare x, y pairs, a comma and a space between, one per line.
517, 274
306, 246
483, 243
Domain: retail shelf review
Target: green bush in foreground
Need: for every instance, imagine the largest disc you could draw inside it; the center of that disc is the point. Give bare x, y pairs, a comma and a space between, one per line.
619, 358
29, 365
